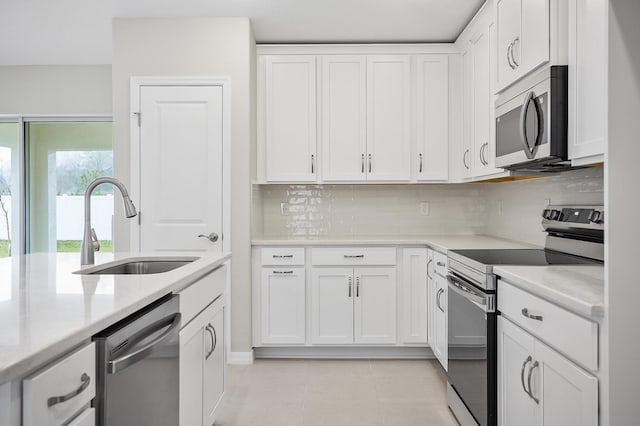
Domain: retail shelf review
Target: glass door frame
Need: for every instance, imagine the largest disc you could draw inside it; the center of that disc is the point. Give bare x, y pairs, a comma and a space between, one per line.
23, 200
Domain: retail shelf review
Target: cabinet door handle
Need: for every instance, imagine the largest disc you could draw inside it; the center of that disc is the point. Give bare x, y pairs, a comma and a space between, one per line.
357, 286
313, 161
84, 379
354, 256
438, 294
214, 339
441, 264
420, 168
350, 284
524, 365
282, 272
533, 367
362, 163
369, 163
283, 256
464, 159
526, 313
429, 262
483, 159
513, 58
513, 67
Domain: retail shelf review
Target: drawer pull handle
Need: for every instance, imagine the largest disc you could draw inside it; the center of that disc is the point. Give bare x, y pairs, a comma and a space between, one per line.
526, 313
441, 264
354, 256
282, 272
524, 365
533, 367
283, 256
85, 379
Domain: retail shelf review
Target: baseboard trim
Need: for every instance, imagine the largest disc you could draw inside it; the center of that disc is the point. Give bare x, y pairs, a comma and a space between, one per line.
241, 358
342, 352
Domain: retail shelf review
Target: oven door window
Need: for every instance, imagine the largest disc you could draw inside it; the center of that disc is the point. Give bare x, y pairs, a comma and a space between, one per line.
468, 365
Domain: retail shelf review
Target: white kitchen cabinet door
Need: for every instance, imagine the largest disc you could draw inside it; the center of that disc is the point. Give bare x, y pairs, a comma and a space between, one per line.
431, 298
375, 306
432, 117
213, 371
467, 158
289, 127
332, 292
440, 339
587, 132
180, 194
344, 125
413, 290
568, 395
533, 49
515, 357
481, 101
508, 20
283, 305
191, 378
388, 118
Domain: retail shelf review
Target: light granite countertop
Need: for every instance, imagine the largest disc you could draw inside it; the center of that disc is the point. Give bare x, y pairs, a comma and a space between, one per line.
441, 243
578, 288
46, 309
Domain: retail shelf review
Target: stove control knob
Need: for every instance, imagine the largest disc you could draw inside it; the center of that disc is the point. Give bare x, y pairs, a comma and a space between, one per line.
554, 215
546, 213
596, 217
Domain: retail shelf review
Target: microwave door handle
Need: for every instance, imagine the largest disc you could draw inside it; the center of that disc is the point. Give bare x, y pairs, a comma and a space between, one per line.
528, 150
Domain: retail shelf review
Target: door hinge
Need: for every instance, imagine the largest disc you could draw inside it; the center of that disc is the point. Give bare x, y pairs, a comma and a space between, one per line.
139, 116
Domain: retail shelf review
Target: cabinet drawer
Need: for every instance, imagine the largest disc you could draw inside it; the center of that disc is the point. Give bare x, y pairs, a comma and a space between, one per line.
440, 263
72, 379
353, 256
571, 334
86, 418
276, 256
197, 296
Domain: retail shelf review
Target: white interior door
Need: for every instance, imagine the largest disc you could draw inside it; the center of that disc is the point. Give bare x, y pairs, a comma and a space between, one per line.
181, 134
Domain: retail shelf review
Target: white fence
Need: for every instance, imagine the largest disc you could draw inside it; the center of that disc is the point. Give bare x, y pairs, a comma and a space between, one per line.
69, 216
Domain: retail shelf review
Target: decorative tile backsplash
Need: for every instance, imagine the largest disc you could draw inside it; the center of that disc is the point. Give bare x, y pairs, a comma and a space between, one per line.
507, 209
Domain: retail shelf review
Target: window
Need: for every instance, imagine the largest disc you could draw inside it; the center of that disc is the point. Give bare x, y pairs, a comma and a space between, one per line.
60, 158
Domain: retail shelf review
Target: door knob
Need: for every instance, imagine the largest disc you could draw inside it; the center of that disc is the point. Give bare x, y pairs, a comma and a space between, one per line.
213, 237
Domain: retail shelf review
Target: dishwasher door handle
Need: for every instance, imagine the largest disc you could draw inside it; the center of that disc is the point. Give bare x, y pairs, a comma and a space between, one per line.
125, 361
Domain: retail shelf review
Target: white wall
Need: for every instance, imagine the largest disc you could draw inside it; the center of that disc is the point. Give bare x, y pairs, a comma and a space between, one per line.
219, 47
622, 286
55, 89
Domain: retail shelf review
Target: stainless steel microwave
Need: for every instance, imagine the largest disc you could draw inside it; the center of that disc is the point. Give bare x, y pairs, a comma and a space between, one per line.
531, 123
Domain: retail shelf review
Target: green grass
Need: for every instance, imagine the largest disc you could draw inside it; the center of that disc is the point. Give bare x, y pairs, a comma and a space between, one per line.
63, 246
73, 246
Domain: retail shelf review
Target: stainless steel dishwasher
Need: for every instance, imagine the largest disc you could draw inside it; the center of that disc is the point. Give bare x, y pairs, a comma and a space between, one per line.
138, 368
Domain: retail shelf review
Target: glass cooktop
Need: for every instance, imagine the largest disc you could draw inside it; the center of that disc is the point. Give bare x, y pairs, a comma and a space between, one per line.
525, 257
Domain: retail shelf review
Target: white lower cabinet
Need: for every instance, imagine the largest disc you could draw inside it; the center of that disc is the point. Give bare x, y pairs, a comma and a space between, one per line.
353, 305
282, 303
538, 386
413, 291
202, 365
439, 344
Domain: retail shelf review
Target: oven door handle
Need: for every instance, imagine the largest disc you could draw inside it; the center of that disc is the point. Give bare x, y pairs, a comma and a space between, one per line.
460, 287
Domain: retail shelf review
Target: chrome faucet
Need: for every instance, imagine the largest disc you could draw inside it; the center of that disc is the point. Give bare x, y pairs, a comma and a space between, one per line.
90, 243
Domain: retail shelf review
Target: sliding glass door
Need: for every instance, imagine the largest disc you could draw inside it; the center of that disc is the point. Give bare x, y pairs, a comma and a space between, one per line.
9, 188
62, 158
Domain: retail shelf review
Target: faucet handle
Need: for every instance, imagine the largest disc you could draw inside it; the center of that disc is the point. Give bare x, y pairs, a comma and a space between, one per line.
94, 240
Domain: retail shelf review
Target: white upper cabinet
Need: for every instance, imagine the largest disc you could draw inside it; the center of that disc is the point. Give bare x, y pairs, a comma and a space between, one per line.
289, 121
344, 125
523, 38
587, 133
432, 117
388, 118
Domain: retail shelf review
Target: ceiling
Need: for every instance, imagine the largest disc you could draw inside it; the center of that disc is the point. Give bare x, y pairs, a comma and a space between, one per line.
79, 31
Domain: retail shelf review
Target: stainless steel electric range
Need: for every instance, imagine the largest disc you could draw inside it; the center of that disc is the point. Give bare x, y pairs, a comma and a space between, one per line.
575, 235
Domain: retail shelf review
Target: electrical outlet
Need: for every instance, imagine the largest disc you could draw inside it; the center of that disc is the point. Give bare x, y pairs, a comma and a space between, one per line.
424, 208
284, 209
547, 202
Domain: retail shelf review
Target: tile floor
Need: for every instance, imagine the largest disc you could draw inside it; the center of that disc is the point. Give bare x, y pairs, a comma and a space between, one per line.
336, 393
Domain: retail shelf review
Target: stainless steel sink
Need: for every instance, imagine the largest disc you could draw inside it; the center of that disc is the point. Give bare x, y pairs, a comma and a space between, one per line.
138, 266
